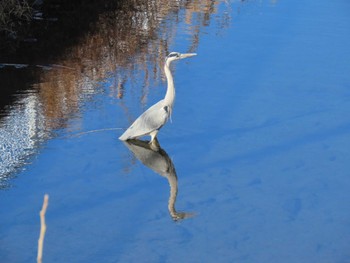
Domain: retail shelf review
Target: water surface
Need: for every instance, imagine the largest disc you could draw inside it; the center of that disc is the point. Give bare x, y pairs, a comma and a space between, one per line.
259, 143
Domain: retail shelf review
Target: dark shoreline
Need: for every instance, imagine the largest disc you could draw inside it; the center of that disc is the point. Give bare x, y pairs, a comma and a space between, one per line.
55, 25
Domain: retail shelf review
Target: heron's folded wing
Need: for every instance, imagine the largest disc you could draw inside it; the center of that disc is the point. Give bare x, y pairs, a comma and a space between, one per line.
152, 119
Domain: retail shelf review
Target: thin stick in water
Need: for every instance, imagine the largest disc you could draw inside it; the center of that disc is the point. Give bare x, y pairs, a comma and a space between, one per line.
92, 131
42, 228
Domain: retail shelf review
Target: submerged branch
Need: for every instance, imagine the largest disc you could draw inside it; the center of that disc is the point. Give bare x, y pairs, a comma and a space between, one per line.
42, 228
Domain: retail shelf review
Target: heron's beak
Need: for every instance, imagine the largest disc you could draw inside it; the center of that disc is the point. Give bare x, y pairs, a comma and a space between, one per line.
188, 55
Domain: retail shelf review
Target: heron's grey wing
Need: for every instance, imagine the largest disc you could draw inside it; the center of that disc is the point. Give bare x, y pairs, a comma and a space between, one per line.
152, 119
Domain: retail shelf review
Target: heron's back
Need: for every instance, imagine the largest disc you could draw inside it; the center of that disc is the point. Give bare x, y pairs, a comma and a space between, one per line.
152, 119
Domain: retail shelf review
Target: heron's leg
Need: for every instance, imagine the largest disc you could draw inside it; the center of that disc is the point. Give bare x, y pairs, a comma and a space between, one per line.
154, 144
153, 135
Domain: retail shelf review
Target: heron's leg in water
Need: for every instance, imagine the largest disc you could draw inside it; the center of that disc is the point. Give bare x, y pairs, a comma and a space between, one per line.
153, 135
154, 144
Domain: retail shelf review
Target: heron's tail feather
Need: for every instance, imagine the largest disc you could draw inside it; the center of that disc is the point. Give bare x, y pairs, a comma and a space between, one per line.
126, 135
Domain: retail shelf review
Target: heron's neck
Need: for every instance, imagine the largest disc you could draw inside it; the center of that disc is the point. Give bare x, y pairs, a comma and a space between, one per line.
170, 93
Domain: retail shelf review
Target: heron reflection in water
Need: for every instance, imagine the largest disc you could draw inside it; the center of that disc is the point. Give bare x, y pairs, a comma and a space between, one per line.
153, 119
159, 161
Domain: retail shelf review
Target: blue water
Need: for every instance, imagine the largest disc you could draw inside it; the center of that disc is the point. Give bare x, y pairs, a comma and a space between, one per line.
259, 138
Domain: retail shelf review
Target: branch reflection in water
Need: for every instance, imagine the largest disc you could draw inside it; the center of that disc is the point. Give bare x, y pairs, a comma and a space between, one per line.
121, 56
155, 158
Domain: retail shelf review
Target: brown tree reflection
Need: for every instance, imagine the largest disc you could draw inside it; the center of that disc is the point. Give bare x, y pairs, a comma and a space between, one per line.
127, 45
123, 43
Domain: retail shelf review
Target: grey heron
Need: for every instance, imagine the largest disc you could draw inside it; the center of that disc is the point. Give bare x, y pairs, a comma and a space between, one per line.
154, 118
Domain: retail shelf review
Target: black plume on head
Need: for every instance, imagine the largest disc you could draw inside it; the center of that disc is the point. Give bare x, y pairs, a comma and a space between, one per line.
173, 54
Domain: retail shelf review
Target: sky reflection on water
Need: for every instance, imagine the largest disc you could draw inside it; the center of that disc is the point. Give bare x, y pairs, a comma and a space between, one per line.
260, 138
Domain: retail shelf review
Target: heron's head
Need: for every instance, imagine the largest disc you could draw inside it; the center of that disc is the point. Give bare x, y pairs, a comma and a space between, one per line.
176, 56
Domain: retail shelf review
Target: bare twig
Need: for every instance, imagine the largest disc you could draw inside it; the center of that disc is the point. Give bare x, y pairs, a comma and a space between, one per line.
42, 228
92, 131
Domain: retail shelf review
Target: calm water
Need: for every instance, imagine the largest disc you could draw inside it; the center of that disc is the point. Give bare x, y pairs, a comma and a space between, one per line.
256, 157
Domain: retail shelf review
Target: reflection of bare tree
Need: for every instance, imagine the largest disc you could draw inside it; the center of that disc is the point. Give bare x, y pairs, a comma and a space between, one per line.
159, 161
118, 36
127, 45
